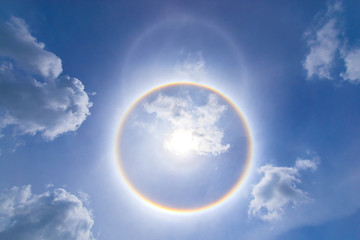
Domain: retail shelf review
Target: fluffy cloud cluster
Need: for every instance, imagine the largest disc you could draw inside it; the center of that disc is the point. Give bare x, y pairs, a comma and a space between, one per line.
33, 97
326, 45
278, 189
199, 122
51, 215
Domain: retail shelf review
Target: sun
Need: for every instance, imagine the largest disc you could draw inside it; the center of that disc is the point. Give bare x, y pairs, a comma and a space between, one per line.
181, 142
174, 143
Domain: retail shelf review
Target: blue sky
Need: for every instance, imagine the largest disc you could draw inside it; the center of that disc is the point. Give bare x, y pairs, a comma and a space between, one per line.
69, 71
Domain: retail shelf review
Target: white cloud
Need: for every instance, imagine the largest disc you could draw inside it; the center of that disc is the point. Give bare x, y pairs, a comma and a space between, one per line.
278, 189
51, 215
18, 44
303, 164
197, 123
53, 106
352, 64
49, 185
324, 43
192, 67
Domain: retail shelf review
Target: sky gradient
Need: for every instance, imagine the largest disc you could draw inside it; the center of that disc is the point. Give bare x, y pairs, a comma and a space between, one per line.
70, 71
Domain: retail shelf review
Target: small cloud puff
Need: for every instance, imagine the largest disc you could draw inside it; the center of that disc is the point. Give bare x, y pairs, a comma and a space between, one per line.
52, 215
352, 63
303, 164
53, 105
278, 189
199, 122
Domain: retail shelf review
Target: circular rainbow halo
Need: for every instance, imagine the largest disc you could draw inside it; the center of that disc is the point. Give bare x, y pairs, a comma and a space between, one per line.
183, 147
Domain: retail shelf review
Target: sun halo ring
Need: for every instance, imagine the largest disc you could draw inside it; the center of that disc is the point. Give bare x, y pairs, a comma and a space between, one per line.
211, 205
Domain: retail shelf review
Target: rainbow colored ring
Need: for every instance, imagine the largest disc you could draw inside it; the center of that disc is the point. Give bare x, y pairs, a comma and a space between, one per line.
217, 202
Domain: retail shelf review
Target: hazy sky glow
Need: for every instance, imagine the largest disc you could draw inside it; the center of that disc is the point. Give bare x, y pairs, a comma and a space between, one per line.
184, 114
179, 120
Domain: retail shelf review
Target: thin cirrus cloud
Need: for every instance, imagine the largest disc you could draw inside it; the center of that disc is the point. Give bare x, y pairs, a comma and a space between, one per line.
192, 67
55, 214
278, 190
33, 97
199, 122
327, 44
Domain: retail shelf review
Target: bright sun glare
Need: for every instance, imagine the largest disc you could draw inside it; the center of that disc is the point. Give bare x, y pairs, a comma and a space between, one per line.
181, 142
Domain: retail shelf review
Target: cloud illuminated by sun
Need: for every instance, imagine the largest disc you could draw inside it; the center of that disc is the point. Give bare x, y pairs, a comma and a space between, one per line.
192, 128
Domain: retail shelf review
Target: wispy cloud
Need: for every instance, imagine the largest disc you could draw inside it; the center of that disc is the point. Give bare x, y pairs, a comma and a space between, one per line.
324, 43
327, 44
52, 215
278, 189
199, 122
33, 97
193, 67
352, 65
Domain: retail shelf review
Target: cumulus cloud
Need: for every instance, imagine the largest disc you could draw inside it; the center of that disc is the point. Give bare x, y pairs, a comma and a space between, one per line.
192, 67
50, 215
51, 108
324, 43
51, 105
197, 123
18, 44
278, 189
